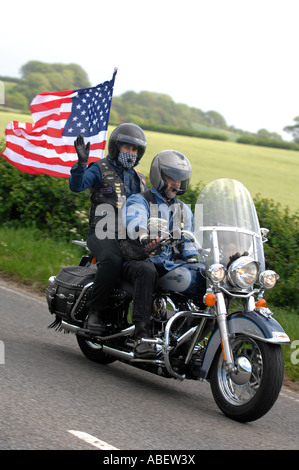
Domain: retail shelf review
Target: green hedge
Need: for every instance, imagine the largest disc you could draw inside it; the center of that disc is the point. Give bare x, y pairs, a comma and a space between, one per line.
251, 140
178, 131
47, 204
281, 250
42, 201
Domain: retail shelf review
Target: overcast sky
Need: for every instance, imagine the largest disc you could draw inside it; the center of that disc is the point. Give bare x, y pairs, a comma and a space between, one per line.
236, 57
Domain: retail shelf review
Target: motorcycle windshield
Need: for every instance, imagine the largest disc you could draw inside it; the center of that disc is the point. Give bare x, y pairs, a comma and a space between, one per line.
226, 222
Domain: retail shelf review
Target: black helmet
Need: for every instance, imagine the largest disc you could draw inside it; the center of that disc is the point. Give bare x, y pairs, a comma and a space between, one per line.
172, 164
126, 133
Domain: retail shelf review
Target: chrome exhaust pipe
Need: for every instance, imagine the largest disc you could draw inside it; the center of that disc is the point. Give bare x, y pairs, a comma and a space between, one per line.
123, 355
126, 356
84, 332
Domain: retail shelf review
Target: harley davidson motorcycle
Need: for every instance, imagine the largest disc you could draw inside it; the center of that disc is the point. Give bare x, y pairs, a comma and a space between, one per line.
209, 320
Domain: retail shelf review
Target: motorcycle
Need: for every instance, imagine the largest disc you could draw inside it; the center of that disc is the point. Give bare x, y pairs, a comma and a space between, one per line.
210, 320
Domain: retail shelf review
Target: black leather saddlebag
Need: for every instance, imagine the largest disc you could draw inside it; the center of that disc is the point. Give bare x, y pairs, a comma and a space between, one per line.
64, 291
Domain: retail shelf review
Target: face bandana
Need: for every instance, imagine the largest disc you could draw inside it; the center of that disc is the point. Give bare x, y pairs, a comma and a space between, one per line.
127, 160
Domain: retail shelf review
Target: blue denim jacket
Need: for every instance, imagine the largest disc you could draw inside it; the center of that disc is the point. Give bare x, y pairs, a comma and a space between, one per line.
82, 178
135, 216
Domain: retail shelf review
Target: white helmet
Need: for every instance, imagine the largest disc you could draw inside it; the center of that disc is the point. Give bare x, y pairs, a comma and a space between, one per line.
172, 164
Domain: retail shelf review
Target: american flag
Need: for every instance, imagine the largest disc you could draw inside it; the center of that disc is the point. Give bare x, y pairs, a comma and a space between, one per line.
47, 145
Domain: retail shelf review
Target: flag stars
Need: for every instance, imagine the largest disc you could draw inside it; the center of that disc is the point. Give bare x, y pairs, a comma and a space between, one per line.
89, 111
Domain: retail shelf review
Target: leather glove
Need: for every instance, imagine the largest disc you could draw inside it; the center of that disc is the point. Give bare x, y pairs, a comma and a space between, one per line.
82, 150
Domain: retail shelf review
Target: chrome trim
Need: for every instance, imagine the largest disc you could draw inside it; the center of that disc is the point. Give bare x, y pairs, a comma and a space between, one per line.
73, 311
84, 332
188, 334
127, 356
199, 329
241, 296
224, 334
224, 228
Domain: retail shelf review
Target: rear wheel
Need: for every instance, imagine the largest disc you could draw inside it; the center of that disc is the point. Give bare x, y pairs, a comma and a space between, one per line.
94, 351
249, 392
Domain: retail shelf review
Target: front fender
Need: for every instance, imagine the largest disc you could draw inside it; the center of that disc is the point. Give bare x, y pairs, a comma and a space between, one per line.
252, 324
257, 326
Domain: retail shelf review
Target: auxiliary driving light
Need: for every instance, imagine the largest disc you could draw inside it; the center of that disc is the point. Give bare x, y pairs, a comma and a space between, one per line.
216, 272
268, 279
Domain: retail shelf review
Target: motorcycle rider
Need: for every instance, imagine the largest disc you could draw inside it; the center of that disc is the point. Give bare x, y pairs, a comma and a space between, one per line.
109, 180
169, 175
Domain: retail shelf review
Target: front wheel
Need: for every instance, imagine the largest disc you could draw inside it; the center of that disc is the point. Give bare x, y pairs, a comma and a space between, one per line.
249, 392
94, 351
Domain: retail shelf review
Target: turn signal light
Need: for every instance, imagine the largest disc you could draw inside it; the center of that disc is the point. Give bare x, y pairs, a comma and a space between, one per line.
209, 299
261, 303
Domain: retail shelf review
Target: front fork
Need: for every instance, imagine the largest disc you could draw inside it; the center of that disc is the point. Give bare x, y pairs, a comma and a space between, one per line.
224, 334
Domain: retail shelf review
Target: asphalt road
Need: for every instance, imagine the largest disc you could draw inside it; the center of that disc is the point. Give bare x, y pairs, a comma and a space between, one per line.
48, 388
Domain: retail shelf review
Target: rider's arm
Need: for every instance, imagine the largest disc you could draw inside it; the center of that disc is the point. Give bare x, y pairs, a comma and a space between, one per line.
135, 215
82, 178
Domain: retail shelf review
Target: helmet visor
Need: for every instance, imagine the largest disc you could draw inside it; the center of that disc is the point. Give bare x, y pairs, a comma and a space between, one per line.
176, 174
128, 139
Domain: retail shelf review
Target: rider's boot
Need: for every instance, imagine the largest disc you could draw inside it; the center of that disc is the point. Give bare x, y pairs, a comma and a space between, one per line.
143, 350
94, 322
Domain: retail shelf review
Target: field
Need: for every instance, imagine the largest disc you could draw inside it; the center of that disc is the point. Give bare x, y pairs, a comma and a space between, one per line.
273, 173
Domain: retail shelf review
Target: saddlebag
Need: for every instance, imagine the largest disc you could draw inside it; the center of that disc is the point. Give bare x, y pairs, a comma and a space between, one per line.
71, 287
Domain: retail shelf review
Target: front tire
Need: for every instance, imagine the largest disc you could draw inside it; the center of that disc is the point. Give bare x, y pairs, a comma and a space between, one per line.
249, 393
94, 351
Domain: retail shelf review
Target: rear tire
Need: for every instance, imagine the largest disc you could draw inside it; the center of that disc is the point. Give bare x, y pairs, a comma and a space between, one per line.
94, 351
249, 394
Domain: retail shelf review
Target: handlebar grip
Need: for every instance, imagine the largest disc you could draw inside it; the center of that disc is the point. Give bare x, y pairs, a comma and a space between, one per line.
159, 245
154, 248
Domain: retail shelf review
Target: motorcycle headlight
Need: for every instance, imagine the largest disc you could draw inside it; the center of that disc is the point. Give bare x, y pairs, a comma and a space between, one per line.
268, 279
216, 272
243, 272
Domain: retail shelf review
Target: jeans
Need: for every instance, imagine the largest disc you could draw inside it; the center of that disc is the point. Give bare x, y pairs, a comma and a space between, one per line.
109, 270
143, 275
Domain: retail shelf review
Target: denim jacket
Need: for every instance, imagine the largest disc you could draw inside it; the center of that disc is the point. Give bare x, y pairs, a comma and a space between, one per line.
82, 178
135, 216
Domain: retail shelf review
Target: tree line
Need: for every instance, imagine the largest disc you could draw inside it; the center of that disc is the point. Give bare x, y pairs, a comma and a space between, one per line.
150, 110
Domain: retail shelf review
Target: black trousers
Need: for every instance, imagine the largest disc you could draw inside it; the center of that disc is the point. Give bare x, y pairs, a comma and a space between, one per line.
143, 275
109, 265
